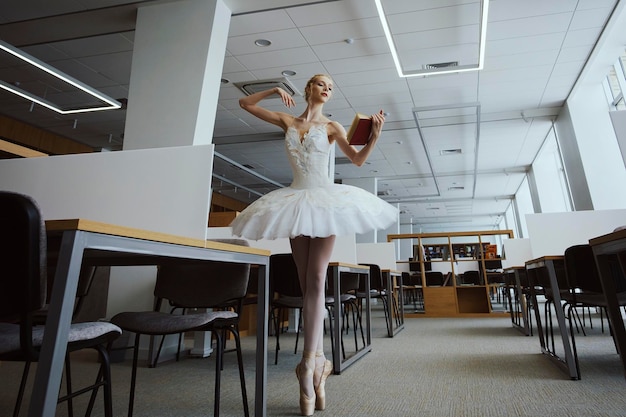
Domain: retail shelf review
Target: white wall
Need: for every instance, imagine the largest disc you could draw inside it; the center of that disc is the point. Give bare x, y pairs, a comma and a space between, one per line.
551, 233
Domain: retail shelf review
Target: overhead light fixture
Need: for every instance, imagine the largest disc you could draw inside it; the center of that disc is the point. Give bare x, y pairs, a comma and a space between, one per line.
111, 104
484, 6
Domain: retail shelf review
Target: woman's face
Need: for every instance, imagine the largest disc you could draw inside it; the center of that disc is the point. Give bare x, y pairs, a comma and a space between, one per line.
321, 89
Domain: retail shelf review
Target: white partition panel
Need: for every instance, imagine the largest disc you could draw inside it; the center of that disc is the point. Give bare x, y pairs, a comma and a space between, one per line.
552, 233
165, 190
381, 254
516, 252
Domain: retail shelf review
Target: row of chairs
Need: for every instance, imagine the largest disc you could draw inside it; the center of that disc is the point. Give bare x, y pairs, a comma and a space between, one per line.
579, 289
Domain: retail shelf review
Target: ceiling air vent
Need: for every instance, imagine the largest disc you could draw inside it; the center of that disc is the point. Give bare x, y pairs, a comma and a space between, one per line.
441, 65
444, 152
254, 86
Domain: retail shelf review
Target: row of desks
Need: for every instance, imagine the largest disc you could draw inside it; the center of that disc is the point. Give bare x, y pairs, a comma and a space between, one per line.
604, 247
105, 244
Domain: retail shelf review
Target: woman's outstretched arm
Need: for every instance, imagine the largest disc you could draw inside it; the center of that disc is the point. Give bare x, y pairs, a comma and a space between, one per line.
250, 104
358, 156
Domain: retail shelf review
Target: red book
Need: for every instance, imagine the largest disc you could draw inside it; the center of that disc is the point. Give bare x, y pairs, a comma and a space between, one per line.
359, 133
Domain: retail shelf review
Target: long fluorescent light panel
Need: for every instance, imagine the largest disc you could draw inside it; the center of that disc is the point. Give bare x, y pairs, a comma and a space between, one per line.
424, 72
104, 102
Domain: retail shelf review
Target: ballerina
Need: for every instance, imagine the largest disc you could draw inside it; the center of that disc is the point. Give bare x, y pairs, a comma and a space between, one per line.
311, 212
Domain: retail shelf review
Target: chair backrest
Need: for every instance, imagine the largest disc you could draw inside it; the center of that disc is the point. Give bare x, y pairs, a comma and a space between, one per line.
580, 269
23, 257
434, 278
284, 275
376, 278
471, 277
202, 284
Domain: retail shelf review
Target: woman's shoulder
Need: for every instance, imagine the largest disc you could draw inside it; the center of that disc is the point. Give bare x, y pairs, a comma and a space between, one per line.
334, 129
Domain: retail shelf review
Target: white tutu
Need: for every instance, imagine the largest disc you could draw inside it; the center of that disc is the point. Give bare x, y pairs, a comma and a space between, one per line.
313, 205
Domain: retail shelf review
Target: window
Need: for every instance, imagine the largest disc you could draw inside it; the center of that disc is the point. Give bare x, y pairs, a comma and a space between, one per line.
615, 84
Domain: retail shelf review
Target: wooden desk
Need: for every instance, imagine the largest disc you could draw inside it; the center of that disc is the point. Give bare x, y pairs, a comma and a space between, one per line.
604, 247
542, 272
519, 308
104, 244
335, 269
393, 280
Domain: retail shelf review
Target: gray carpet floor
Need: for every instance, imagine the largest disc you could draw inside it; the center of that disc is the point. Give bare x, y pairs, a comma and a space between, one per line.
435, 367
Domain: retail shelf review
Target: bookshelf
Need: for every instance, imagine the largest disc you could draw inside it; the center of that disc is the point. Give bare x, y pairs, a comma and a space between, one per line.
466, 261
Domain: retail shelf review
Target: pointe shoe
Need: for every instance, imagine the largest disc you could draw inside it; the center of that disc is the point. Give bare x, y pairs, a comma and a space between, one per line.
320, 390
307, 404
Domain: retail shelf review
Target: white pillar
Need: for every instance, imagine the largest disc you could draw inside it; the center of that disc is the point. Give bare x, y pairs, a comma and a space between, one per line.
176, 71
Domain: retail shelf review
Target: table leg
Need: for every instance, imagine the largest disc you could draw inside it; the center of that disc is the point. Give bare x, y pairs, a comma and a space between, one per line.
43, 400
260, 399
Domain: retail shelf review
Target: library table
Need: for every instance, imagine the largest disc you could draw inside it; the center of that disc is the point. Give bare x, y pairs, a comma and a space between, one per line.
612, 245
105, 244
543, 272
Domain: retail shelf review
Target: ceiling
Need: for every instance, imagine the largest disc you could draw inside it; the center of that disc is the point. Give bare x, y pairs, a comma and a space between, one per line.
455, 148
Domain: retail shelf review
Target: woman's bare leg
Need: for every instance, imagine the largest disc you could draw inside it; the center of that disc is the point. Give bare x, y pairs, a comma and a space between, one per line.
311, 256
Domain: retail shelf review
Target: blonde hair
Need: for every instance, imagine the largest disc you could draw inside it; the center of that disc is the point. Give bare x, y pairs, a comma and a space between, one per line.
311, 81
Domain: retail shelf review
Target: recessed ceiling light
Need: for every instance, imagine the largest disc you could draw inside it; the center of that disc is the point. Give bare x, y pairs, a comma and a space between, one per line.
262, 42
349, 41
288, 73
224, 81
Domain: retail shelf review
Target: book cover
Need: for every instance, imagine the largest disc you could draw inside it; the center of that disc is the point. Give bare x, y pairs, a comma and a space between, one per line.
359, 133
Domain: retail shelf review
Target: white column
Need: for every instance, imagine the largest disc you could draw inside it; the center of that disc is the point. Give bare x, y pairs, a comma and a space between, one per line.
176, 71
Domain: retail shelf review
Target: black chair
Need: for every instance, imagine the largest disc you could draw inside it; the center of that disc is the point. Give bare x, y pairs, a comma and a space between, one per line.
23, 289
413, 290
285, 294
251, 298
471, 278
378, 291
205, 285
434, 279
348, 288
584, 289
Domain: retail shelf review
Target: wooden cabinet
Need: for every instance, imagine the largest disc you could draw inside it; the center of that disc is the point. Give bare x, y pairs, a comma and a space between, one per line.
459, 271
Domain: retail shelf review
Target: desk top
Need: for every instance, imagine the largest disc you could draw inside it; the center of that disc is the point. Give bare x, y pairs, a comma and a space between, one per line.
123, 231
610, 237
512, 269
541, 260
348, 265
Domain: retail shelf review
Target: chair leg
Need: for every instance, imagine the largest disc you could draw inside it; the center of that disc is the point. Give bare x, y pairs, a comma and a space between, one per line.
218, 371
276, 316
133, 378
295, 349
20, 393
68, 384
242, 377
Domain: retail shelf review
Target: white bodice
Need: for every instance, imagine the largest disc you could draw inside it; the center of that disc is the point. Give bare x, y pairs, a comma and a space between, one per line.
308, 157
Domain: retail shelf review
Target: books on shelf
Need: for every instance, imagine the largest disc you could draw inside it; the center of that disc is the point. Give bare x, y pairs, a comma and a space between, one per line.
359, 133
